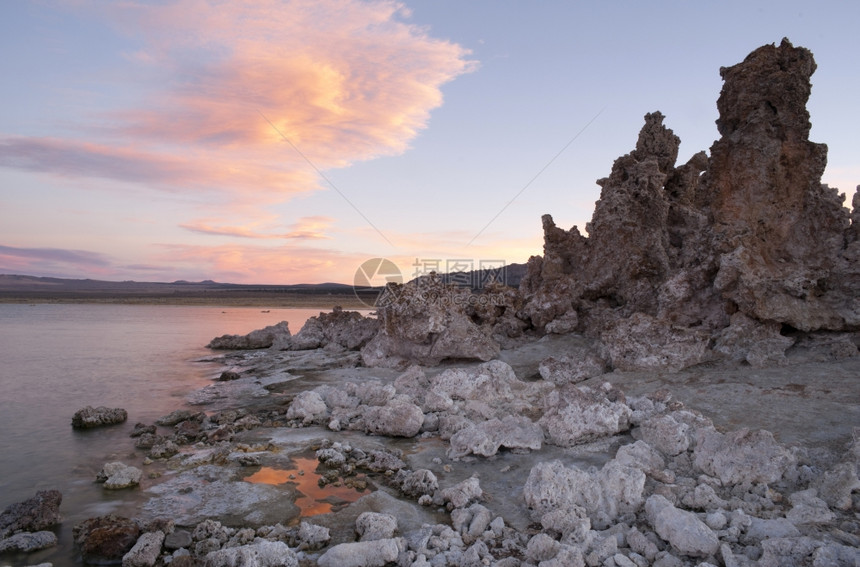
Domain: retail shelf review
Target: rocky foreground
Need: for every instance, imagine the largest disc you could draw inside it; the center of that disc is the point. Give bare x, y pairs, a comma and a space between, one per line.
679, 388
501, 463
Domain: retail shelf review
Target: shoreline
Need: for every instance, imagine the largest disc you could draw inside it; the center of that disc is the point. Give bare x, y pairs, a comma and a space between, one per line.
225, 299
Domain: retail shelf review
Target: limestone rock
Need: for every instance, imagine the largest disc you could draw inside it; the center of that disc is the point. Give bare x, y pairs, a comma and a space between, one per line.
118, 475
376, 553
487, 437
26, 542
308, 407
572, 368
643, 342
398, 418
747, 340
373, 526
261, 338
721, 256
576, 414
106, 539
312, 536
605, 494
32, 515
258, 554
741, 456
686, 532
462, 494
426, 321
416, 484
89, 417
177, 416
346, 329
666, 434
145, 552
836, 486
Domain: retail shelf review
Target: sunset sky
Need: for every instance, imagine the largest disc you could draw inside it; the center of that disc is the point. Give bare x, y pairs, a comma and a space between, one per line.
287, 141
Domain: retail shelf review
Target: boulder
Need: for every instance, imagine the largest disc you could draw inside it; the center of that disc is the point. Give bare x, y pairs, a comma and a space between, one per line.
397, 418
89, 417
261, 338
682, 529
32, 515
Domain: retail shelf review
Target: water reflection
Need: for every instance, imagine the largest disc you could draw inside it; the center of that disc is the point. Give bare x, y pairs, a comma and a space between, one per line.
312, 498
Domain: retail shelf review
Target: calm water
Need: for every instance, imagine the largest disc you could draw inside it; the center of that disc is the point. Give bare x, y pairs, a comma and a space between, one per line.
56, 359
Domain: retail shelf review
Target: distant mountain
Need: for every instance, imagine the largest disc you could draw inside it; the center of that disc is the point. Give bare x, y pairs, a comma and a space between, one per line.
511, 275
22, 285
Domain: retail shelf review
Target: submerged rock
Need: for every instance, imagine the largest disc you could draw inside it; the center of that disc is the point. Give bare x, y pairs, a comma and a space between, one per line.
89, 417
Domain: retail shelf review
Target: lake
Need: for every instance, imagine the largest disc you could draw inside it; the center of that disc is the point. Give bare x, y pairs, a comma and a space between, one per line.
58, 358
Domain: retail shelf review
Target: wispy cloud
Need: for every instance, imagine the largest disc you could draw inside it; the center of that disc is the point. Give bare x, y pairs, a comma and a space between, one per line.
53, 261
242, 263
344, 80
81, 257
307, 228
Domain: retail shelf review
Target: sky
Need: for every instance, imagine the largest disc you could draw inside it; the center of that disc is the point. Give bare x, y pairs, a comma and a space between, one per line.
290, 141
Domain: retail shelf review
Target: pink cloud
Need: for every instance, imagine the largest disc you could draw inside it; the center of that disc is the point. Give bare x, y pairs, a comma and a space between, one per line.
343, 80
307, 228
261, 264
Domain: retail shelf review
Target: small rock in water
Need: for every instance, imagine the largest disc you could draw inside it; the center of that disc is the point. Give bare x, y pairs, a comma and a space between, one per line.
117, 475
90, 417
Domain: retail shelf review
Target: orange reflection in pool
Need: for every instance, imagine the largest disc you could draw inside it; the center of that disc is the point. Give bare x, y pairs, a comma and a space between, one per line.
268, 475
312, 499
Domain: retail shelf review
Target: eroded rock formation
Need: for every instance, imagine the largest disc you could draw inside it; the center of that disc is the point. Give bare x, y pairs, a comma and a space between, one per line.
746, 248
